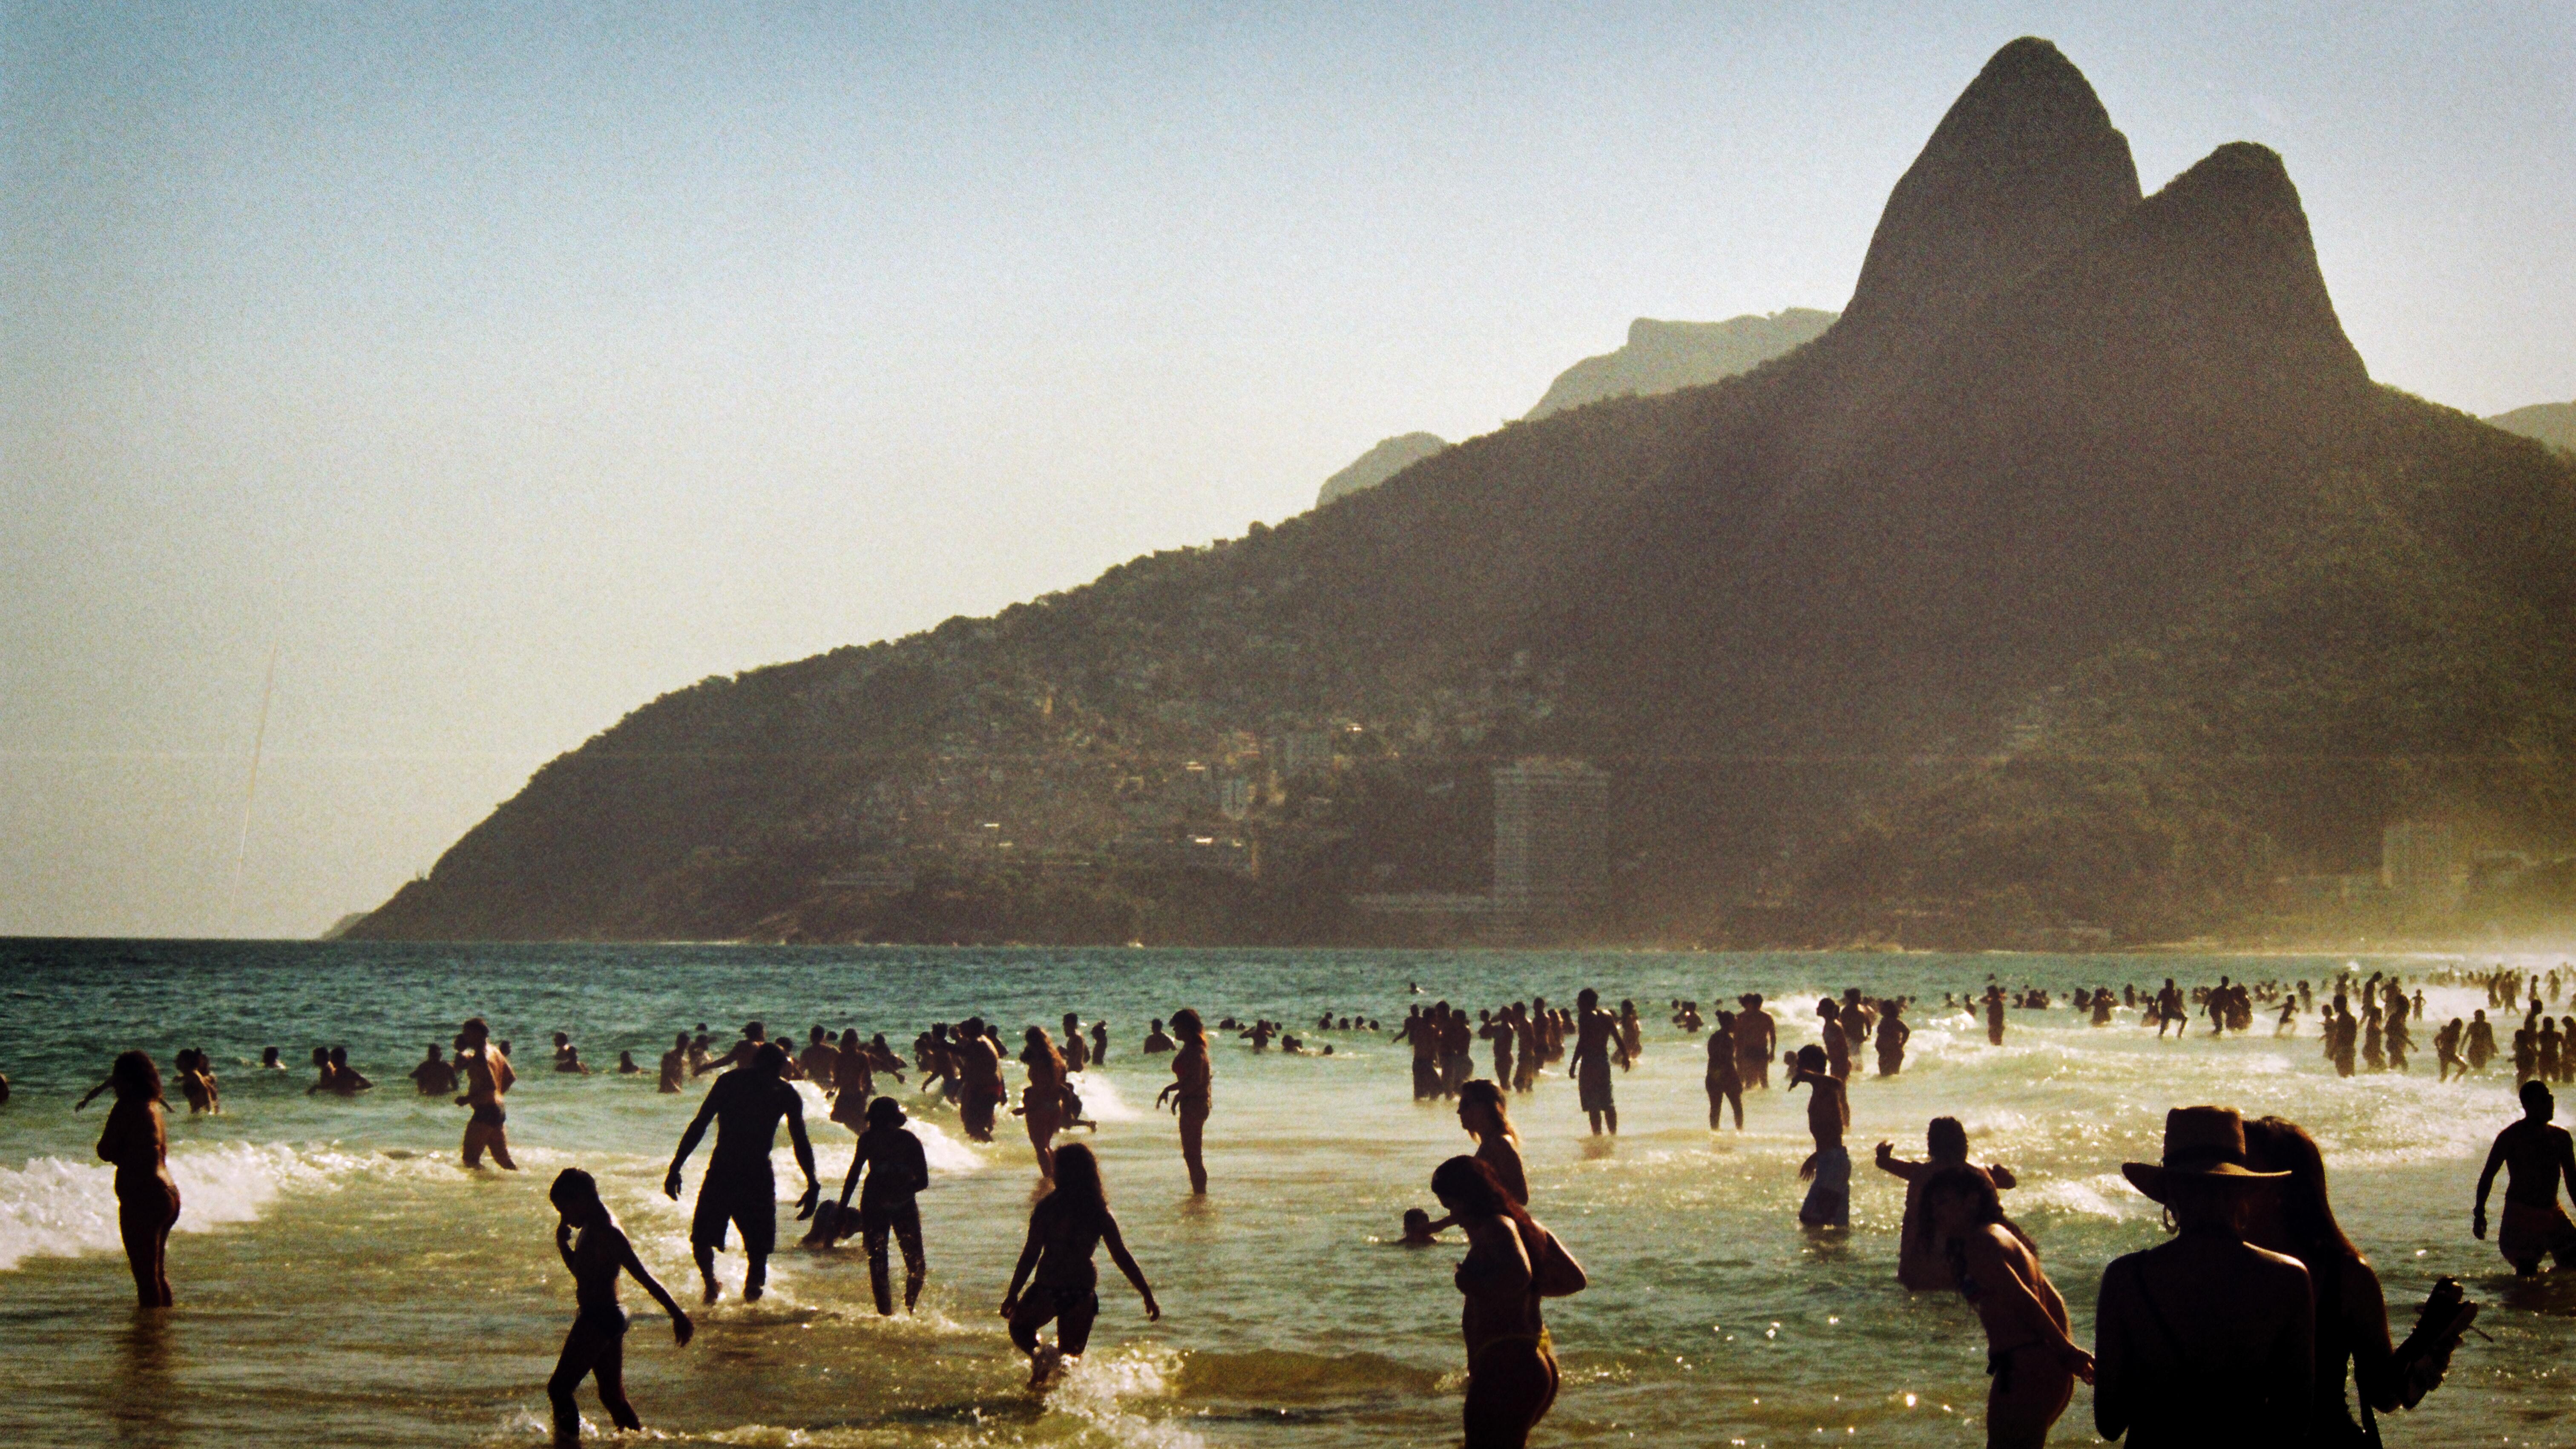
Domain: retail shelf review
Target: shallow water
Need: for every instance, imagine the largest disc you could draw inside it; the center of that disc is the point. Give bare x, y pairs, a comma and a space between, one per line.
337, 1272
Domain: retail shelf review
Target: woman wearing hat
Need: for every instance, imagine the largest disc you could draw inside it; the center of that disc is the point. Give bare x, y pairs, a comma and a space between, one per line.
2205, 1341
886, 1205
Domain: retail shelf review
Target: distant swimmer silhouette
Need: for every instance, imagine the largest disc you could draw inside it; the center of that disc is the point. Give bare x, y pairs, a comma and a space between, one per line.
2537, 1156
739, 1189
487, 1079
2206, 1340
433, 1077
1512, 1264
1066, 1227
136, 1140
596, 1251
1189, 1093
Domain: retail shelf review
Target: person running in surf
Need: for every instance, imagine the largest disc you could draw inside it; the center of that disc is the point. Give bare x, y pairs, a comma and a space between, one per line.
2538, 1156
1066, 1227
1595, 1032
488, 1078
739, 1188
1189, 1093
596, 1251
897, 1170
1042, 1099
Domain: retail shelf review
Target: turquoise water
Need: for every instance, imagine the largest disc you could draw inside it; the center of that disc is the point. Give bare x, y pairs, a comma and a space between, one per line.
338, 1274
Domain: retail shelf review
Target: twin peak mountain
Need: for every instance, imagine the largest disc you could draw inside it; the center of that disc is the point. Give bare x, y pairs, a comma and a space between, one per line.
1955, 615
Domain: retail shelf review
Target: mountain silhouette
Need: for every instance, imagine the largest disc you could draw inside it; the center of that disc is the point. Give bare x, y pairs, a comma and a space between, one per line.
2551, 423
1668, 356
2078, 571
1389, 457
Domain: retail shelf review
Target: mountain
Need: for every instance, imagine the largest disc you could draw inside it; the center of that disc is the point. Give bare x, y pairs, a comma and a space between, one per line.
2078, 572
1670, 356
2551, 423
1390, 457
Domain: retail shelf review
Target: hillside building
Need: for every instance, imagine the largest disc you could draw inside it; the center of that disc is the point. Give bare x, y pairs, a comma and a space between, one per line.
1551, 849
2423, 864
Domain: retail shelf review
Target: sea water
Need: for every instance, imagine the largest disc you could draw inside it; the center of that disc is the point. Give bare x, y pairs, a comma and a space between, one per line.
341, 1279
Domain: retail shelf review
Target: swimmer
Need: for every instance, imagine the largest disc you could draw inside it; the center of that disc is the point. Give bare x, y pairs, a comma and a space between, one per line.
2537, 1156
1189, 1093
596, 1251
1099, 1043
1042, 1099
978, 1073
1418, 1232
1893, 1034
897, 1170
739, 1188
1480, 1112
675, 1065
819, 1058
1596, 1031
626, 1065
1756, 1037
136, 1140
754, 1037
1055, 1267
2030, 1352
1156, 1043
268, 1060
434, 1077
1512, 1264
1724, 1078
488, 1078
1828, 1202
344, 1080
1918, 1265
1076, 1051
568, 1057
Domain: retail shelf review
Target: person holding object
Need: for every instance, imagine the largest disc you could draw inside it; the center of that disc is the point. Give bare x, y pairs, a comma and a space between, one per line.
2206, 1342
596, 1251
739, 1188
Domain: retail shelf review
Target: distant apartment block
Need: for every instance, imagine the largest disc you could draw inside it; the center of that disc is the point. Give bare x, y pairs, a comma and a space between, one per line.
1551, 850
1233, 797
2423, 864
1298, 753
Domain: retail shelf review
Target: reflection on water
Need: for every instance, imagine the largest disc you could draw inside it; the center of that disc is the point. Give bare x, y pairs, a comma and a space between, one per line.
139, 1400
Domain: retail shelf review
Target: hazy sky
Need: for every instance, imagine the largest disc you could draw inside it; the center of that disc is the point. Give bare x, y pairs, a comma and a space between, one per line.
502, 367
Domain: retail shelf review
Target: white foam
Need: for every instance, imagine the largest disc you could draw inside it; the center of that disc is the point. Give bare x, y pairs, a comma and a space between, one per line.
1101, 1390
1101, 1101
53, 1208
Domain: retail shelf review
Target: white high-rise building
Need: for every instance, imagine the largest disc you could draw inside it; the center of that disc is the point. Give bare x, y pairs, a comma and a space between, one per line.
2423, 865
1551, 850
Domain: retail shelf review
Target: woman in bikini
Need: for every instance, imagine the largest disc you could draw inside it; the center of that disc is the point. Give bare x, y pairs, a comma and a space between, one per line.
137, 1140
1188, 1093
2029, 1348
1042, 1100
1725, 1076
596, 1251
1511, 1264
1067, 1226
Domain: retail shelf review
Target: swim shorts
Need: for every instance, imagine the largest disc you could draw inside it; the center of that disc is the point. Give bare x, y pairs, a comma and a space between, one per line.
1594, 1078
489, 1114
611, 1321
1072, 1309
2528, 1233
748, 1202
1828, 1203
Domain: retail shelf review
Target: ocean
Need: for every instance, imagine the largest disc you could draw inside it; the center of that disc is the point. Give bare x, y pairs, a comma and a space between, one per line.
341, 1279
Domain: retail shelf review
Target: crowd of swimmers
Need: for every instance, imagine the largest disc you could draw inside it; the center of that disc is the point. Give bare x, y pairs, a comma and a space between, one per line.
2254, 1318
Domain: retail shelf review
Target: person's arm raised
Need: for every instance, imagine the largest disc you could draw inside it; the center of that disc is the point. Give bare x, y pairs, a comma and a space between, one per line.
1895, 1166
681, 1328
1118, 1254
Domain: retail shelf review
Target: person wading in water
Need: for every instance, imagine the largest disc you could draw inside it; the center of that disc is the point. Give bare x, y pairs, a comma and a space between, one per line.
739, 1187
1595, 1031
2206, 1342
1067, 1226
1995, 1266
136, 1140
2538, 1157
1188, 1094
1511, 1264
488, 1078
897, 1170
596, 1251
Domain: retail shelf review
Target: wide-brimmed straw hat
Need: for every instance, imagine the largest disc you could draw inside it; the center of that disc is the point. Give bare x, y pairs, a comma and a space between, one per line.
2200, 1142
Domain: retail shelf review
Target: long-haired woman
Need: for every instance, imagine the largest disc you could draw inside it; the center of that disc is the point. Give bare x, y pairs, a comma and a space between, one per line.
1188, 1093
1725, 1076
1481, 1113
1511, 1264
2030, 1351
1066, 1227
2298, 1219
1042, 1100
136, 1139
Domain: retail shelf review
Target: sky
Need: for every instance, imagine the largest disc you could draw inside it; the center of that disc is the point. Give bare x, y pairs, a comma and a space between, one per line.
498, 368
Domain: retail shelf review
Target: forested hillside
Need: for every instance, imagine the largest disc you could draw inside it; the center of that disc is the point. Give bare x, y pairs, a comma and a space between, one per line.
2078, 572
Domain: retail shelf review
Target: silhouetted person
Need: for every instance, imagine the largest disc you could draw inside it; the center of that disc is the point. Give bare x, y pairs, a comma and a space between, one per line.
896, 1170
2537, 1156
2206, 1340
1156, 1043
1511, 1264
487, 1079
1189, 1092
1099, 1043
1066, 1227
754, 1037
1042, 1098
979, 1076
434, 1077
1919, 1265
1595, 1031
674, 1065
136, 1141
1724, 1079
1756, 1037
596, 1252
739, 1187
1480, 1111
1995, 1266
1828, 1168
1893, 1034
